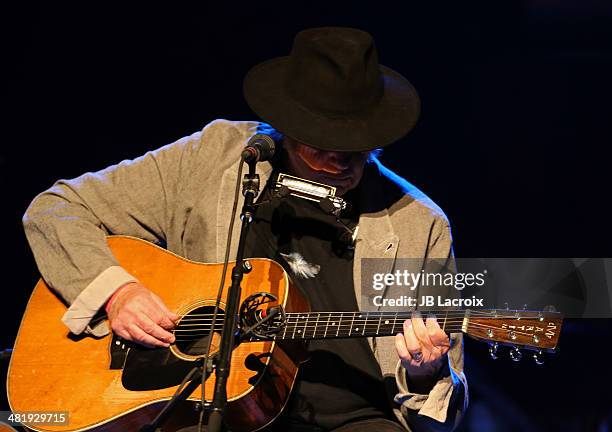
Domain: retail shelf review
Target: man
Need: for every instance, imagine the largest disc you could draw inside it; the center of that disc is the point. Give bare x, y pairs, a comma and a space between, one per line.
330, 104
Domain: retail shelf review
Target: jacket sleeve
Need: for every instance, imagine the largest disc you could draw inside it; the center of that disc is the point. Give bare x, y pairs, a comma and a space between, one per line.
444, 406
66, 225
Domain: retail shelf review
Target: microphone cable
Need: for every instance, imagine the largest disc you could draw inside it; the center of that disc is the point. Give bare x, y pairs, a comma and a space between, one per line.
219, 293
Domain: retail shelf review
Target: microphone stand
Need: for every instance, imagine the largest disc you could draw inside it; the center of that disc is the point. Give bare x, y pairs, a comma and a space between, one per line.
250, 190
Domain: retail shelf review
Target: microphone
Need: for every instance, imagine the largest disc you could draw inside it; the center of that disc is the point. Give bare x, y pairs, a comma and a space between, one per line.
259, 148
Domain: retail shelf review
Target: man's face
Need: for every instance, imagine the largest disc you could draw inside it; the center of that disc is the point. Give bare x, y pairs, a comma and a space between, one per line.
343, 170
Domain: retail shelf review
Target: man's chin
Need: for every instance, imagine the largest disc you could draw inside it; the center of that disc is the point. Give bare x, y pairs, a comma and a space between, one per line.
336, 181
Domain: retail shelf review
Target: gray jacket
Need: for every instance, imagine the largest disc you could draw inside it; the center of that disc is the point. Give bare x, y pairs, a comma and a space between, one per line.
179, 196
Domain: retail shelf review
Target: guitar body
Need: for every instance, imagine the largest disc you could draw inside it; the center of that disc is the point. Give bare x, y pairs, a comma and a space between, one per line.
105, 384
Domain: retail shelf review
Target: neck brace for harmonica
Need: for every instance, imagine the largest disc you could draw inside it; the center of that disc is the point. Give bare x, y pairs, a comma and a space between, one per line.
318, 192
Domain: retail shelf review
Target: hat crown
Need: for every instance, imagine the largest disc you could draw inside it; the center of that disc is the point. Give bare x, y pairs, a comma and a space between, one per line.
332, 94
334, 70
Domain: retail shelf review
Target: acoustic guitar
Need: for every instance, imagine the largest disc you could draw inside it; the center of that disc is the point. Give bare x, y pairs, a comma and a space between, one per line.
108, 384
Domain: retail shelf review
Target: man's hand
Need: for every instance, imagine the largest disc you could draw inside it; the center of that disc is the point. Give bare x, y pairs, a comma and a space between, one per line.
422, 349
137, 314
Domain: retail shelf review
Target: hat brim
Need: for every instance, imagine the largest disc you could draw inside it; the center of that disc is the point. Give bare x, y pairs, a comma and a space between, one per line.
389, 120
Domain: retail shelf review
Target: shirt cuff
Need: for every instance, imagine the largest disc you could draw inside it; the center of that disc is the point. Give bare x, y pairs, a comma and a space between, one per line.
435, 404
92, 298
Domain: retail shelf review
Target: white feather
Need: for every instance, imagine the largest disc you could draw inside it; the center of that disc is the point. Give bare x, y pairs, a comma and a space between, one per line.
300, 267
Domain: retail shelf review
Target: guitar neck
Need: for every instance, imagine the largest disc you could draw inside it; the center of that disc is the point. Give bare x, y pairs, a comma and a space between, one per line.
331, 325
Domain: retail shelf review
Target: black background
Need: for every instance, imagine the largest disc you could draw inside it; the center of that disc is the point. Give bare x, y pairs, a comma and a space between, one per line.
512, 142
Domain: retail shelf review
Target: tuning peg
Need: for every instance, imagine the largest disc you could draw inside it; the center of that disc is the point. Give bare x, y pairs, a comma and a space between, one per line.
525, 307
538, 357
516, 354
506, 305
550, 308
493, 350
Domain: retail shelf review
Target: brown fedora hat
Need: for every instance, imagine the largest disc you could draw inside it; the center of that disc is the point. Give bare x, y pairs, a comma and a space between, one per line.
332, 94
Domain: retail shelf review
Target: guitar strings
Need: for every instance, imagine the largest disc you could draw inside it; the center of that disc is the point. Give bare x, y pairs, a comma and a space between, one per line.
437, 312
354, 323
374, 315
457, 325
301, 325
304, 324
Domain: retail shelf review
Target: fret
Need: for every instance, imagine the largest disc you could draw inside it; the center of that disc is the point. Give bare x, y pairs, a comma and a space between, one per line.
387, 322
327, 325
351, 326
335, 323
379, 321
295, 326
316, 325
286, 326
445, 317
338, 328
365, 323
303, 332
394, 323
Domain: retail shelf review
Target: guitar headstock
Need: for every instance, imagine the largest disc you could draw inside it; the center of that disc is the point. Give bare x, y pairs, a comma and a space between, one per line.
520, 329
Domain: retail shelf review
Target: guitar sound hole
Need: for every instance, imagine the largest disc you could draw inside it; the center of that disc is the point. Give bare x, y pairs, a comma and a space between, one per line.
193, 331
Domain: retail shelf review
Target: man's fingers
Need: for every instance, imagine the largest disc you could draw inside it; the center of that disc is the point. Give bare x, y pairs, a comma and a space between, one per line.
436, 334
431, 323
121, 331
157, 311
421, 342
421, 331
138, 335
412, 342
141, 316
150, 327
166, 322
400, 346
160, 316
172, 318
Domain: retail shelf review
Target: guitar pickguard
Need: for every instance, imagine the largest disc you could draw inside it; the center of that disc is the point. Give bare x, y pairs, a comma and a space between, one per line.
147, 368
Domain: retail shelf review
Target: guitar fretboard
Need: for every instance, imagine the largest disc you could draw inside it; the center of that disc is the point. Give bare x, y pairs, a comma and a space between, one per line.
328, 325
